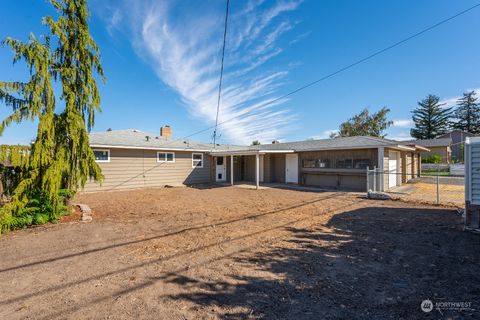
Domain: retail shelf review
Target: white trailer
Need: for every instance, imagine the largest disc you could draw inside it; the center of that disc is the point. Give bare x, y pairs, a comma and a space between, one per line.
472, 182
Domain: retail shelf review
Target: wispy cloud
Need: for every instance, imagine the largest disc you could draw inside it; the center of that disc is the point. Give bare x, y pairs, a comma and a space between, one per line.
451, 102
402, 123
184, 47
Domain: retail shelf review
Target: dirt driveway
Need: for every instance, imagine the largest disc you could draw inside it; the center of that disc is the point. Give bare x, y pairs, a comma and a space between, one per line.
424, 189
236, 253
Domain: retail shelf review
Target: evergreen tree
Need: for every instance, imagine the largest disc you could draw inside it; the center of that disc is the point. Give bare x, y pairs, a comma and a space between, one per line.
60, 156
365, 124
430, 118
467, 113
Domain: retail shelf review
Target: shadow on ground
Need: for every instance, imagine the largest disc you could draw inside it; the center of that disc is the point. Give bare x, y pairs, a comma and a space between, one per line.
367, 263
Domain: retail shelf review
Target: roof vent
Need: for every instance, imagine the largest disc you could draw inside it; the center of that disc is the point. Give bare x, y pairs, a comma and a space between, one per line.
109, 129
147, 138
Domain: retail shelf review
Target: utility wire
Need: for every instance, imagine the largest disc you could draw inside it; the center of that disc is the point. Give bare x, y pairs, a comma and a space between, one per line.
344, 68
221, 77
336, 72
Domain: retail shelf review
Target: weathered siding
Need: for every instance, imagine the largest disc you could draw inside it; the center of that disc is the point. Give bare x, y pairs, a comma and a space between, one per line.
332, 176
131, 168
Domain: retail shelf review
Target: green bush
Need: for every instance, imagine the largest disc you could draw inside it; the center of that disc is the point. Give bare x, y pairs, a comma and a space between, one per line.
39, 210
435, 158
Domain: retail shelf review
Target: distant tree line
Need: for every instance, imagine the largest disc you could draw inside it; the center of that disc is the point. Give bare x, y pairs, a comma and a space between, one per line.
431, 119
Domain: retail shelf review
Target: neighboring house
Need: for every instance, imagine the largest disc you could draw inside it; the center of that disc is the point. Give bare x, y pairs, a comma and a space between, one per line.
441, 147
458, 139
134, 159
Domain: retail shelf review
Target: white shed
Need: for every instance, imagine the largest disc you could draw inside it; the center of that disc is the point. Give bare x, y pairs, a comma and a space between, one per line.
472, 182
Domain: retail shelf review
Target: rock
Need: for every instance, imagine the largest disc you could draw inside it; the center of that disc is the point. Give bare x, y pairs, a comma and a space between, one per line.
376, 195
86, 218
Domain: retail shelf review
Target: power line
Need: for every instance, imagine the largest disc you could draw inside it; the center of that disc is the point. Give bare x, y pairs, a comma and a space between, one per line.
344, 68
221, 76
396, 44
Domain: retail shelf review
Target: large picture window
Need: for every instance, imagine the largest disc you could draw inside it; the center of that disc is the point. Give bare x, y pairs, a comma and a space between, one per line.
197, 160
102, 155
345, 164
316, 163
309, 163
165, 157
361, 163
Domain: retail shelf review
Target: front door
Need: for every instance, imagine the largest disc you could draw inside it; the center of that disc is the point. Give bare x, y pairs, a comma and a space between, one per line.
221, 169
291, 168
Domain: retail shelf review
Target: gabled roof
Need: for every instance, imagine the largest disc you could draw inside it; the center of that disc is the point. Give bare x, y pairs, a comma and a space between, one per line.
442, 142
136, 139
335, 143
456, 131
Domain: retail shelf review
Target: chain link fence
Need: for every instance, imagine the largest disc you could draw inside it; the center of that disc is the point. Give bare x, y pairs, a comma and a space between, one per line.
436, 187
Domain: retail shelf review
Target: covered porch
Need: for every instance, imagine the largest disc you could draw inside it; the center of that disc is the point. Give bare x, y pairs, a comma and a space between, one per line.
250, 167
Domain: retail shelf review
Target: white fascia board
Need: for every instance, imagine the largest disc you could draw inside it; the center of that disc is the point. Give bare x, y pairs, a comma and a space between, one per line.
401, 147
247, 152
147, 148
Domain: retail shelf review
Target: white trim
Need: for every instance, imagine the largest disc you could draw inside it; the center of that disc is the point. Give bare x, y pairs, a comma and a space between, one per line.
194, 166
102, 150
148, 148
247, 152
165, 161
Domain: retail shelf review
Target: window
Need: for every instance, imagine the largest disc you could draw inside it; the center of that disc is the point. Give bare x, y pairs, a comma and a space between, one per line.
102, 155
324, 163
316, 163
197, 160
165, 157
235, 159
361, 163
345, 164
309, 163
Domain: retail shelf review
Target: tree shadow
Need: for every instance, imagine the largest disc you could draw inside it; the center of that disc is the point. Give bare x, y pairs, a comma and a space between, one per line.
375, 262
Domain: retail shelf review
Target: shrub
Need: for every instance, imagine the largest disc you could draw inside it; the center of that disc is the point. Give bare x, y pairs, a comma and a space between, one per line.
432, 159
38, 210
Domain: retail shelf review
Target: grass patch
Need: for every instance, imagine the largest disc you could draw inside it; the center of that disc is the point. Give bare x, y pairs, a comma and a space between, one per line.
435, 173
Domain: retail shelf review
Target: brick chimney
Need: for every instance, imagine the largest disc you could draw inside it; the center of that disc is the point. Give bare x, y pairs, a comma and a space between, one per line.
166, 132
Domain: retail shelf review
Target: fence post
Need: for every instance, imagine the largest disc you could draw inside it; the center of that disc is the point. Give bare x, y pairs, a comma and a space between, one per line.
438, 182
375, 178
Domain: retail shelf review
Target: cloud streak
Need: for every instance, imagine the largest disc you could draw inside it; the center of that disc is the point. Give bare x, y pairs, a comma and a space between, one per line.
183, 48
403, 123
452, 102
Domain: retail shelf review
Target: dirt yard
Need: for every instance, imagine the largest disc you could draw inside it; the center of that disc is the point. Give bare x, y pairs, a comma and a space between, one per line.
451, 191
233, 253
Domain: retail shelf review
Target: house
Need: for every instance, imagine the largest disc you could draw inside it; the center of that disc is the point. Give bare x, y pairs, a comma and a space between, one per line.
439, 146
135, 159
458, 140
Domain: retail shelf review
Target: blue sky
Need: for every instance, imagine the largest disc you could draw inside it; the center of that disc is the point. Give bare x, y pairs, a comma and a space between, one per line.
162, 60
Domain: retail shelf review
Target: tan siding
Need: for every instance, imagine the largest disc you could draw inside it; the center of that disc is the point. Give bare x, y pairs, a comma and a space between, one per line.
130, 168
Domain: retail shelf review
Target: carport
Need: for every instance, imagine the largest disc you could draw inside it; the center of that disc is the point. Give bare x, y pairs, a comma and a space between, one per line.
234, 155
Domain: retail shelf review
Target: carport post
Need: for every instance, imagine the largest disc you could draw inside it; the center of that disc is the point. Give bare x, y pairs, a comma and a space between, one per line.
257, 170
231, 169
